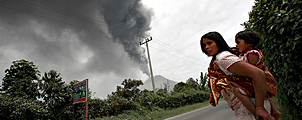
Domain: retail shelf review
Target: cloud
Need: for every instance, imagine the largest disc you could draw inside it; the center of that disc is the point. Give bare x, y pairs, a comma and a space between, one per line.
98, 40
180, 24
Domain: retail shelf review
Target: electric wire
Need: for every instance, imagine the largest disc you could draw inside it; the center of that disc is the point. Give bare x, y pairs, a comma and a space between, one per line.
64, 12
67, 13
50, 18
173, 70
175, 50
74, 15
175, 55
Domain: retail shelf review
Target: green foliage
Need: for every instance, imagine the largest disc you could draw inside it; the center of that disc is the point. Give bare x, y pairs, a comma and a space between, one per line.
22, 86
112, 106
20, 108
155, 115
56, 94
116, 103
203, 81
130, 89
131, 84
97, 108
151, 101
280, 23
20, 91
119, 104
179, 86
191, 82
21, 80
185, 96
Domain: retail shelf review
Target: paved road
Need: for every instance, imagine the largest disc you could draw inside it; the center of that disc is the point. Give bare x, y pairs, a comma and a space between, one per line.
220, 112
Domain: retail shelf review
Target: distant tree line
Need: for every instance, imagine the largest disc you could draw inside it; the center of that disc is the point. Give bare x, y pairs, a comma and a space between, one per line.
27, 95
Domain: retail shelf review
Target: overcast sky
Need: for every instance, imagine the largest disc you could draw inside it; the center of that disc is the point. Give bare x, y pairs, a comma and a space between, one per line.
99, 39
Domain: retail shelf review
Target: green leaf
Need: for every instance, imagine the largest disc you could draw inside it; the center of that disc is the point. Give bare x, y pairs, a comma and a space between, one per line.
282, 11
270, 20
285, 19
281, 30
276, 10
297, 37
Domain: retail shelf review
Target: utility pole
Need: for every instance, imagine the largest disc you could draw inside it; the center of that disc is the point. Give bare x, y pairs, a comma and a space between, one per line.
147, 40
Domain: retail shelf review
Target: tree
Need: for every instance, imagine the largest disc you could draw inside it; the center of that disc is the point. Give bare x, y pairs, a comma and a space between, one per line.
56, 95
279, 21
21, 80
192, 83
203, 80
130, 89
180, 86
20, 108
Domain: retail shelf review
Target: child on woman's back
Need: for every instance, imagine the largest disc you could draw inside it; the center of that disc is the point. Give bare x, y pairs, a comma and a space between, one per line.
245, 43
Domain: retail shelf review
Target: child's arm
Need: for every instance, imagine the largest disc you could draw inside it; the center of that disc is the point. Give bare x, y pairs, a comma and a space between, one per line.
252, 58
258, 81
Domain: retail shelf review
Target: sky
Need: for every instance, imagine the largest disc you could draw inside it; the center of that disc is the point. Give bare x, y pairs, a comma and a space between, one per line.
99, 39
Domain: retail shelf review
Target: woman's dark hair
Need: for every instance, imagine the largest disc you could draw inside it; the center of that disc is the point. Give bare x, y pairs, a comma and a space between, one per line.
221, 44
249, 37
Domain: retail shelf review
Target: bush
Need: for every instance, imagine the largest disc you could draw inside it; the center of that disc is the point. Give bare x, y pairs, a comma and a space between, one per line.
176, 99
280, 23
19, 108
116, 105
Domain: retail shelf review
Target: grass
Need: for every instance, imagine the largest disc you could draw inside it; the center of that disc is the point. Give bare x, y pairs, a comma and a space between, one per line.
156, 115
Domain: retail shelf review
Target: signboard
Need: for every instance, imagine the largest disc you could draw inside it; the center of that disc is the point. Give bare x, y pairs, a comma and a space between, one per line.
80, 91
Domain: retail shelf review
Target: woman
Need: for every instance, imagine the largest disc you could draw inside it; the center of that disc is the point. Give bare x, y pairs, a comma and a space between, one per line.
213, 44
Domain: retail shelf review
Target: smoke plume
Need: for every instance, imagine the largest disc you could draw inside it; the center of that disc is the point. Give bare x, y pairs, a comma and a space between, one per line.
93, 39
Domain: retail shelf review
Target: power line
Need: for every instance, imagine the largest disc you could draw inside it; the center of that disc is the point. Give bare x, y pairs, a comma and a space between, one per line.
67, 13
173, 70
74, 15
176, 50
175, 56
58, 10
48, 18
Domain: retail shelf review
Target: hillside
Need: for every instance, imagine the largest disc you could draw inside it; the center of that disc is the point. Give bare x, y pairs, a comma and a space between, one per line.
159, 82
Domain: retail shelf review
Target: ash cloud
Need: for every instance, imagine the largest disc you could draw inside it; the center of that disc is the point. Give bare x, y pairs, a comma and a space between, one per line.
94, 39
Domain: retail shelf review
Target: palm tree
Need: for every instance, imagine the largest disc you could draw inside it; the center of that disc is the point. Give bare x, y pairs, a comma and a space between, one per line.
203, 80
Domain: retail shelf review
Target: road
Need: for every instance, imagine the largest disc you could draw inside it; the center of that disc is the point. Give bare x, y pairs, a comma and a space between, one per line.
220, 112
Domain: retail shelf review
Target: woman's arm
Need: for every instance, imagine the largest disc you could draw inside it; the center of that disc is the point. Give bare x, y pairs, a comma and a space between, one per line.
259, 82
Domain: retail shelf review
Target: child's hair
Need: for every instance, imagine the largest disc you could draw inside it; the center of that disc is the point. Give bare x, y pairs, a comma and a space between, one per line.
249, 36
221, 44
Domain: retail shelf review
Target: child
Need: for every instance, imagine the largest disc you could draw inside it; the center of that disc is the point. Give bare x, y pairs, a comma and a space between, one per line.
245, 43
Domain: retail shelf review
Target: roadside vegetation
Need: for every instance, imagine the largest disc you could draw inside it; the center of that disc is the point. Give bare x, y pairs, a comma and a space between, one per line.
279, 21
156, 115
27, 95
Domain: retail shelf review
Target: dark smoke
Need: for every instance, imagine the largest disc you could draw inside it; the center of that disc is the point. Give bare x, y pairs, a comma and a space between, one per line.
78, 38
